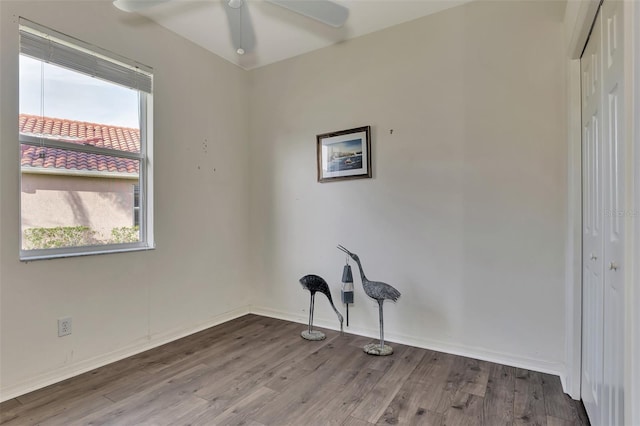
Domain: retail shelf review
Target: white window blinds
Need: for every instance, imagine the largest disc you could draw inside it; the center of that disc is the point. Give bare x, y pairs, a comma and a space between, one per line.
50, 46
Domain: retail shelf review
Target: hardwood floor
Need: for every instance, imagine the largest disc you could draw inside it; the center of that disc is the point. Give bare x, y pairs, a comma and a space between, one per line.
258, 371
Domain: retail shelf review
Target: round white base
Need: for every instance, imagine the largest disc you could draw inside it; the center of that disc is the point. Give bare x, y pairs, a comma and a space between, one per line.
313, 335
375, 349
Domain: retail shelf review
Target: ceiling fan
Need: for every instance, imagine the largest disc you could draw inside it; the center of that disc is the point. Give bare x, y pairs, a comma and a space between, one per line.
324, 11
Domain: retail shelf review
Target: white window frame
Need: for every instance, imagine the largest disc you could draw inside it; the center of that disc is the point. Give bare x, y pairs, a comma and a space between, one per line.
145, 156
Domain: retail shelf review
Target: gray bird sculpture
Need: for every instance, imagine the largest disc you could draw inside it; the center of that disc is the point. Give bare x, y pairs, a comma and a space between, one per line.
314, 283
380, 292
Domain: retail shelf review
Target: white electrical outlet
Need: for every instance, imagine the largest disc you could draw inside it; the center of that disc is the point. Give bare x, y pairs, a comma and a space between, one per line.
64, 326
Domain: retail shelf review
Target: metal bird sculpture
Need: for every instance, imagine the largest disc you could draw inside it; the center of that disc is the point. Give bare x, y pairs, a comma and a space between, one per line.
314, 283
380, 292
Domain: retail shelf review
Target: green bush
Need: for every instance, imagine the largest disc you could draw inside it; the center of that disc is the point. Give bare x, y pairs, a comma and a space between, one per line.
125, 234
60, 236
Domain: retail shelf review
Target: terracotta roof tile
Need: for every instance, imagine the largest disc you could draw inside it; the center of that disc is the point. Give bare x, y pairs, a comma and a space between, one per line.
82, 133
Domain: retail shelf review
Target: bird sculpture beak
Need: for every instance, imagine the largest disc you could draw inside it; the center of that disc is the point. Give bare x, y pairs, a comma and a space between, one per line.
344, 250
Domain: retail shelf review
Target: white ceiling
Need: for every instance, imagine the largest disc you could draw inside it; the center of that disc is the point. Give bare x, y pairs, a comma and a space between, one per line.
279, 33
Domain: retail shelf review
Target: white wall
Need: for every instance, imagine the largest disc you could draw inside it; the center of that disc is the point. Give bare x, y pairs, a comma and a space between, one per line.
465, 214
466, 210
124, 303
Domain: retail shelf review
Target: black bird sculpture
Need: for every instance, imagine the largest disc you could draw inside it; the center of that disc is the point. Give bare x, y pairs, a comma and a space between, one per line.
380, 292
314, 283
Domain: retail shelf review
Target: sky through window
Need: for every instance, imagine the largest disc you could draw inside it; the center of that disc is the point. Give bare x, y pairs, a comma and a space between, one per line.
74, 96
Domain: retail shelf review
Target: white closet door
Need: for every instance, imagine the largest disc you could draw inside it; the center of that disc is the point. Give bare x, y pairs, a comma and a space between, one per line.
592, 238
603, 219
614, 205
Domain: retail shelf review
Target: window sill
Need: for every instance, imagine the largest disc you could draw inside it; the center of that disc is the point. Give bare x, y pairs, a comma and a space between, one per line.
44, 254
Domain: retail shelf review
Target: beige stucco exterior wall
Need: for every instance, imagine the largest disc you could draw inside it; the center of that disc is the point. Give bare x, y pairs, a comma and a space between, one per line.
56, 200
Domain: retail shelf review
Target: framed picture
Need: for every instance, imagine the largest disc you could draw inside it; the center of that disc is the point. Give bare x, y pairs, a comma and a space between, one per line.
344, 155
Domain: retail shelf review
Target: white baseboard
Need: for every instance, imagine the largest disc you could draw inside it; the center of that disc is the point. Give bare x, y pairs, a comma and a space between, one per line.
68, 371
554, 368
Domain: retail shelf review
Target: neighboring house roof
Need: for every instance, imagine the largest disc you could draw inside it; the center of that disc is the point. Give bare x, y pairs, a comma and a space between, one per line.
81, 133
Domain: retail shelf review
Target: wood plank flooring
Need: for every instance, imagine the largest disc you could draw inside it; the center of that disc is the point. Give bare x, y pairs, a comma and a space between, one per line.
258, 371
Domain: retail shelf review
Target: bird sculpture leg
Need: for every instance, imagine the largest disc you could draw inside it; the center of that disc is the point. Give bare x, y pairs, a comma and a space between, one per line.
379, 349
313, 299
312, 334
381, 324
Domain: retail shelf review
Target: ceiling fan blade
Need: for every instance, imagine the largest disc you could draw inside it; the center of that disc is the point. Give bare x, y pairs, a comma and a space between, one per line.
325, 11
136, 5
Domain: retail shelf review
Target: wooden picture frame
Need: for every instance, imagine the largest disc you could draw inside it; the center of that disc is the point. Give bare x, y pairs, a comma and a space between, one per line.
345, 154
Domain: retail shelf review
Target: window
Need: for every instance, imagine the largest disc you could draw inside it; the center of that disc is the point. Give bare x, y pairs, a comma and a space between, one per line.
85, 148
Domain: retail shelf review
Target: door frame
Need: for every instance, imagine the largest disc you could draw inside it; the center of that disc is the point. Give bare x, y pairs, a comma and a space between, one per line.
578, 20
633, 301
